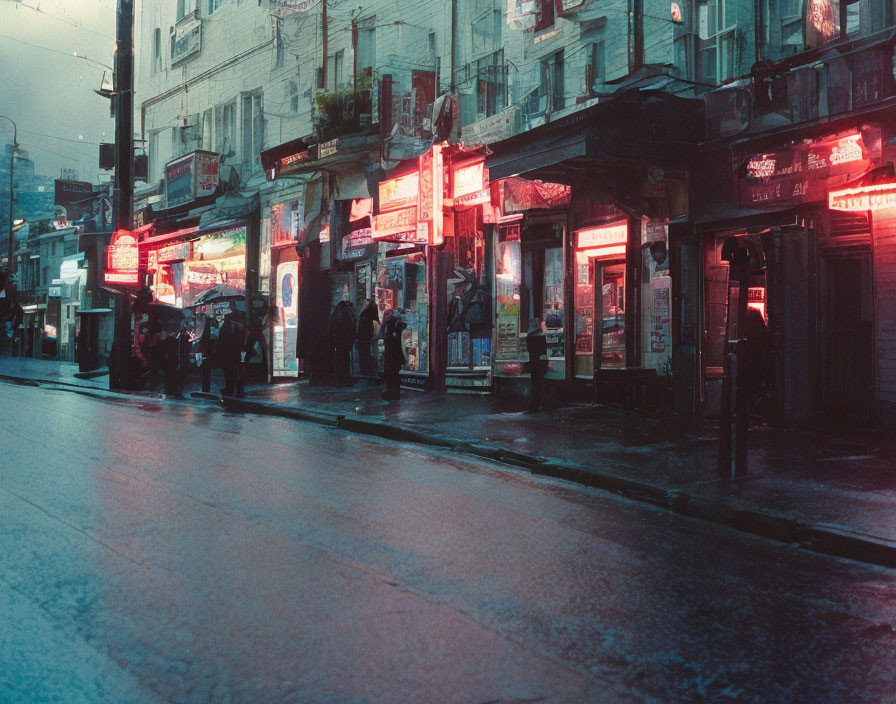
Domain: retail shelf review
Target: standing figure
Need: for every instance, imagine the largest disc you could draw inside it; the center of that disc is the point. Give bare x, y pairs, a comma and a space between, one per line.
393, 357
366, 333
170, 351
231, 345
537, 346
342, 340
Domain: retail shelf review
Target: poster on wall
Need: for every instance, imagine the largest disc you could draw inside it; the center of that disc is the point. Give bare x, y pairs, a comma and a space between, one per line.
286, 322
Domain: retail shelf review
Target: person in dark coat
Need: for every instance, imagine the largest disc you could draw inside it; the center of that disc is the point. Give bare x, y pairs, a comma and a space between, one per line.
364, 340
230, 348
151, 352
537, 346
393, 357
342, 340
170, 350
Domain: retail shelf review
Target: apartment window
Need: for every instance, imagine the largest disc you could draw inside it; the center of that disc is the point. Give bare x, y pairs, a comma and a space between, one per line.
181, 8
53, 249
334, 70
890, 13
545, 15
279, 44
715, 42
487, 33
595, 67
44, 276
157, 50
206, 137
225, 123
253, 128
214, 5
491, 84
552, 80
293, 96
366, 48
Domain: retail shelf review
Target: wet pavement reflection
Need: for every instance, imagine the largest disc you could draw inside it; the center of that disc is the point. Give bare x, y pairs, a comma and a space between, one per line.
165, 552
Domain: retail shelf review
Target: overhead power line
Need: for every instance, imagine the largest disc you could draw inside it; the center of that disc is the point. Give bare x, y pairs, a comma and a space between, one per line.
56, 51
62, 139
59, 19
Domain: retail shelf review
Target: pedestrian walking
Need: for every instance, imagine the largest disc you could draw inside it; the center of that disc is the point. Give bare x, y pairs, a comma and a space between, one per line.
231, 346
342, 339
368, 321
393, 357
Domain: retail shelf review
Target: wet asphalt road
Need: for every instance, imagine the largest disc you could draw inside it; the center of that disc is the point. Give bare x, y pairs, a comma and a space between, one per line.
162, 551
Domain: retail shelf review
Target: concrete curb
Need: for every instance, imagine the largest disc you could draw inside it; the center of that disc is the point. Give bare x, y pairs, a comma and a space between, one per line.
822, 538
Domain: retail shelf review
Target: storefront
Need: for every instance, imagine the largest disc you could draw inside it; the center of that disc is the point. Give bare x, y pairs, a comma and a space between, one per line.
407, 225
582, 246
804, 246
530, 276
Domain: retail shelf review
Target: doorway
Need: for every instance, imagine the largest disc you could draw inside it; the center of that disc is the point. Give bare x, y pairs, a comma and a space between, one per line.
609, 304
847, 337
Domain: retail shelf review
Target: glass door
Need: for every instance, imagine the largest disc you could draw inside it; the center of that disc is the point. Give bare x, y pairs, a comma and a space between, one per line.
610, 306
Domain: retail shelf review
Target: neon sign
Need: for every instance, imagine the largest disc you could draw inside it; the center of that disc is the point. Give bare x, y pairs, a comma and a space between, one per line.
854, 200
603, 241
122, 259
399, 192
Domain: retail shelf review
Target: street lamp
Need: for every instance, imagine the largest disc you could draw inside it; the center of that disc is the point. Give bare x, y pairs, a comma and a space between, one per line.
12, 157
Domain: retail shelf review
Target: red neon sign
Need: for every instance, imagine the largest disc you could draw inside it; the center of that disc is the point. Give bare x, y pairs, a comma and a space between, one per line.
855, 200
122, 258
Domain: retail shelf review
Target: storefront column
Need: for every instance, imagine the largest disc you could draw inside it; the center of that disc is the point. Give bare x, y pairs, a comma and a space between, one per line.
684, 263
437, 263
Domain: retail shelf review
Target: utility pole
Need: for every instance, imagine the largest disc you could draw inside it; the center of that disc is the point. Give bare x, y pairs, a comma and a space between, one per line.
323, 30
636, 37
123, 189
12, 160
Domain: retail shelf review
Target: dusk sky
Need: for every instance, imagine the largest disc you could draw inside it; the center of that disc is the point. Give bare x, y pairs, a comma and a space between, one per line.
46, 90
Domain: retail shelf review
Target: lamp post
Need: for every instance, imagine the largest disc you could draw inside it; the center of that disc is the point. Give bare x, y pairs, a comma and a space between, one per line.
12, 158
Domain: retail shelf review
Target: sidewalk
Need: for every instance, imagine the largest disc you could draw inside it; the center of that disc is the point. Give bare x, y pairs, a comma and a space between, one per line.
832, 493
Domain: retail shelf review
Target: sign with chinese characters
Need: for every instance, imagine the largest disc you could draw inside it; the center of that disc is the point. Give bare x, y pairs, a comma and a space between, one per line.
174, 252
395, 221
469, 179
401, 192
605, 240
192, 176
122, 258
187, 40
289, 7
806, 171
876, 197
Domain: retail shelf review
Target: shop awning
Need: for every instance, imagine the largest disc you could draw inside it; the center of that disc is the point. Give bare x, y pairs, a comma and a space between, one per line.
230, 211
271, 158
639, 126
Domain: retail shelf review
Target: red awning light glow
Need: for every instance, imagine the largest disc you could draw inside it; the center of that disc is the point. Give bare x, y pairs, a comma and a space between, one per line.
853, 200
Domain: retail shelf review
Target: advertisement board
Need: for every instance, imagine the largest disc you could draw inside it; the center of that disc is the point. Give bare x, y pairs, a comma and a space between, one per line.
191, 176
122, 259
286, 322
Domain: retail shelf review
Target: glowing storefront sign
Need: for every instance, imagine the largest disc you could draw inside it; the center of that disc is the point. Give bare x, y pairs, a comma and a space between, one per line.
122, 258
401, 192
853, 200
393, 222
603, 241
468, 179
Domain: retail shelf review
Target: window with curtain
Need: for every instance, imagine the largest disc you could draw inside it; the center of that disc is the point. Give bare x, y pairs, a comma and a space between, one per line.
366, 59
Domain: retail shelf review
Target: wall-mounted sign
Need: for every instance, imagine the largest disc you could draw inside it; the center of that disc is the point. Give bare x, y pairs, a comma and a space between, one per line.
327, 148
399, 192
469, 179
805, 172
175, 252
122, 258
393, 222
187, 40
876, 197
604, 241
289, 7
287, 221
191, 176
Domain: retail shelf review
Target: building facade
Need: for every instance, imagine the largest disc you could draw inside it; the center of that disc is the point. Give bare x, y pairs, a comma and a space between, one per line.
489, 168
